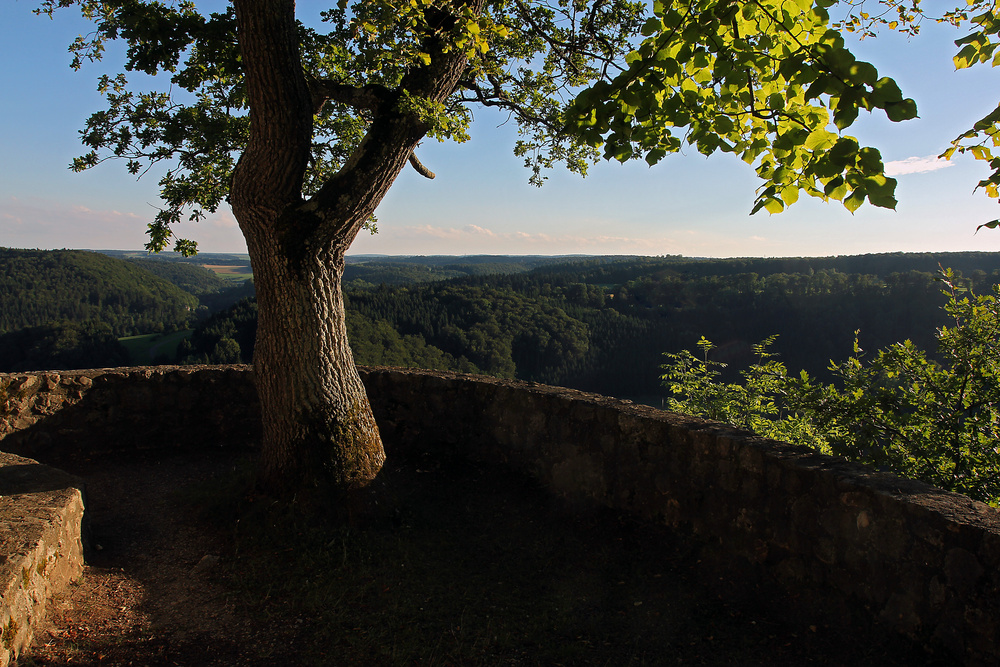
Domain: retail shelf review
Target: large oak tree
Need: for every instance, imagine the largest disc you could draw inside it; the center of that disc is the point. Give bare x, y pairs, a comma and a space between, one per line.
302, 127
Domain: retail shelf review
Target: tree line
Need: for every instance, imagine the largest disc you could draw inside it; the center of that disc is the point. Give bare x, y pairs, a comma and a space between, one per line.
597, 324
68, 308
602, 324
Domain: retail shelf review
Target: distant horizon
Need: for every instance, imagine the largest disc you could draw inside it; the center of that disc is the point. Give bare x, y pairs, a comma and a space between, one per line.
170, 253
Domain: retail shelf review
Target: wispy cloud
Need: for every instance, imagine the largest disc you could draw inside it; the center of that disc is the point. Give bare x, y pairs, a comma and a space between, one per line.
916, 165
521, 241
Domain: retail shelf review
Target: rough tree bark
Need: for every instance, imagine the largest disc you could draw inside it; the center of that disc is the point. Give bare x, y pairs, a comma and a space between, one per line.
319, 430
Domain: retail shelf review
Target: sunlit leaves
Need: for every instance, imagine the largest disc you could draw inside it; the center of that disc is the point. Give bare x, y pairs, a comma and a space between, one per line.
770, 81
979, 47
865, 19
935, 419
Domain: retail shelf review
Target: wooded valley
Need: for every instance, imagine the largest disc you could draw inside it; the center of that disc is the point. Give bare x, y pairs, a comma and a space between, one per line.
598, 324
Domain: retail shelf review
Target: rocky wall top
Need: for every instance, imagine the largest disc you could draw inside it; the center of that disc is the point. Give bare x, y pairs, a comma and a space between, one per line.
59, 414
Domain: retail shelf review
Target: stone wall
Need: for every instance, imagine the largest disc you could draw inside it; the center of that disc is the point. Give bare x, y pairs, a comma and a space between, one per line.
924, 561
58, 415
41, 552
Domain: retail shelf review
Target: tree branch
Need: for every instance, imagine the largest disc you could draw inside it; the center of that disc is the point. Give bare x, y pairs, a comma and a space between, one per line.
365, 98
419, 166
496, 98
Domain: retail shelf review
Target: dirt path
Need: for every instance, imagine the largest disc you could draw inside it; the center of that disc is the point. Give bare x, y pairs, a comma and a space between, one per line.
149, 594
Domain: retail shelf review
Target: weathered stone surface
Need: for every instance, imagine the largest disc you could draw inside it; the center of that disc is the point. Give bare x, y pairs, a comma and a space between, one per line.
41, 513
924, 560
104, 411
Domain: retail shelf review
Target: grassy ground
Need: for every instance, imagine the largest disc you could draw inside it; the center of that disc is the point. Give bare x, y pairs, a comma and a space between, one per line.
143, 350
234, 272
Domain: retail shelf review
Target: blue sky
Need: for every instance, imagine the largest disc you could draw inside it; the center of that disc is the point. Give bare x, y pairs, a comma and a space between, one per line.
481, 203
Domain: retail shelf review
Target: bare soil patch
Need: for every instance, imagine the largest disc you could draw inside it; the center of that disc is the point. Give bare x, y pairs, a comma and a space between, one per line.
453, 564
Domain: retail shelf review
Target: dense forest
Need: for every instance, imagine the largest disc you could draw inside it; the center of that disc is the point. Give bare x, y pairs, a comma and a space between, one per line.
61, 345
372, 270
69, 308
603, 324
599, 324
38, 287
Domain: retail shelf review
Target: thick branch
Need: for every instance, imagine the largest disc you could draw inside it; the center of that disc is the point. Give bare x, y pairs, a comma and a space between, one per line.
353, 193
419, 166
271, 170
366, 98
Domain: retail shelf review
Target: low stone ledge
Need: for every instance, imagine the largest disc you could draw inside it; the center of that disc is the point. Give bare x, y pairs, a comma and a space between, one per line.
41, 551
59, 416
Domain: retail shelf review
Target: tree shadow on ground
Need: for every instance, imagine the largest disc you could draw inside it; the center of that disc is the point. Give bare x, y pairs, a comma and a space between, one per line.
455, 563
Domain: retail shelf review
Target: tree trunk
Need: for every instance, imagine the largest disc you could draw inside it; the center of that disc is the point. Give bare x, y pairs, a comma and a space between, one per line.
319, 430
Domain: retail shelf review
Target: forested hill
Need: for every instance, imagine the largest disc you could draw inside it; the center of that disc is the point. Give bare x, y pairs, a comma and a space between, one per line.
620, 270
191, 278
602, 324
599, 323
371, 270
39, 287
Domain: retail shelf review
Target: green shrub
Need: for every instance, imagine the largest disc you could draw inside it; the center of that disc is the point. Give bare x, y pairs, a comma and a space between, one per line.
935, 419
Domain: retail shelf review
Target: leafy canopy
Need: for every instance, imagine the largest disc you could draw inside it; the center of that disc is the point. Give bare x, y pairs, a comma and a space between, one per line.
768, 80
524, 58
935, 419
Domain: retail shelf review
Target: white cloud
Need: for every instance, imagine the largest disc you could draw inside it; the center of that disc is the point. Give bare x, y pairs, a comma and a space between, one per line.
477, 239
916, 165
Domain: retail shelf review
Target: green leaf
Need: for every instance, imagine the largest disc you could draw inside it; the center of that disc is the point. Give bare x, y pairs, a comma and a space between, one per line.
967, 57
862, 73
900, 111
854, 202
651, 27
836, 188
844, 152
820, 139
870, 160
885, 91
845, 115
655, 155
879, 185
882, 201
790, 194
